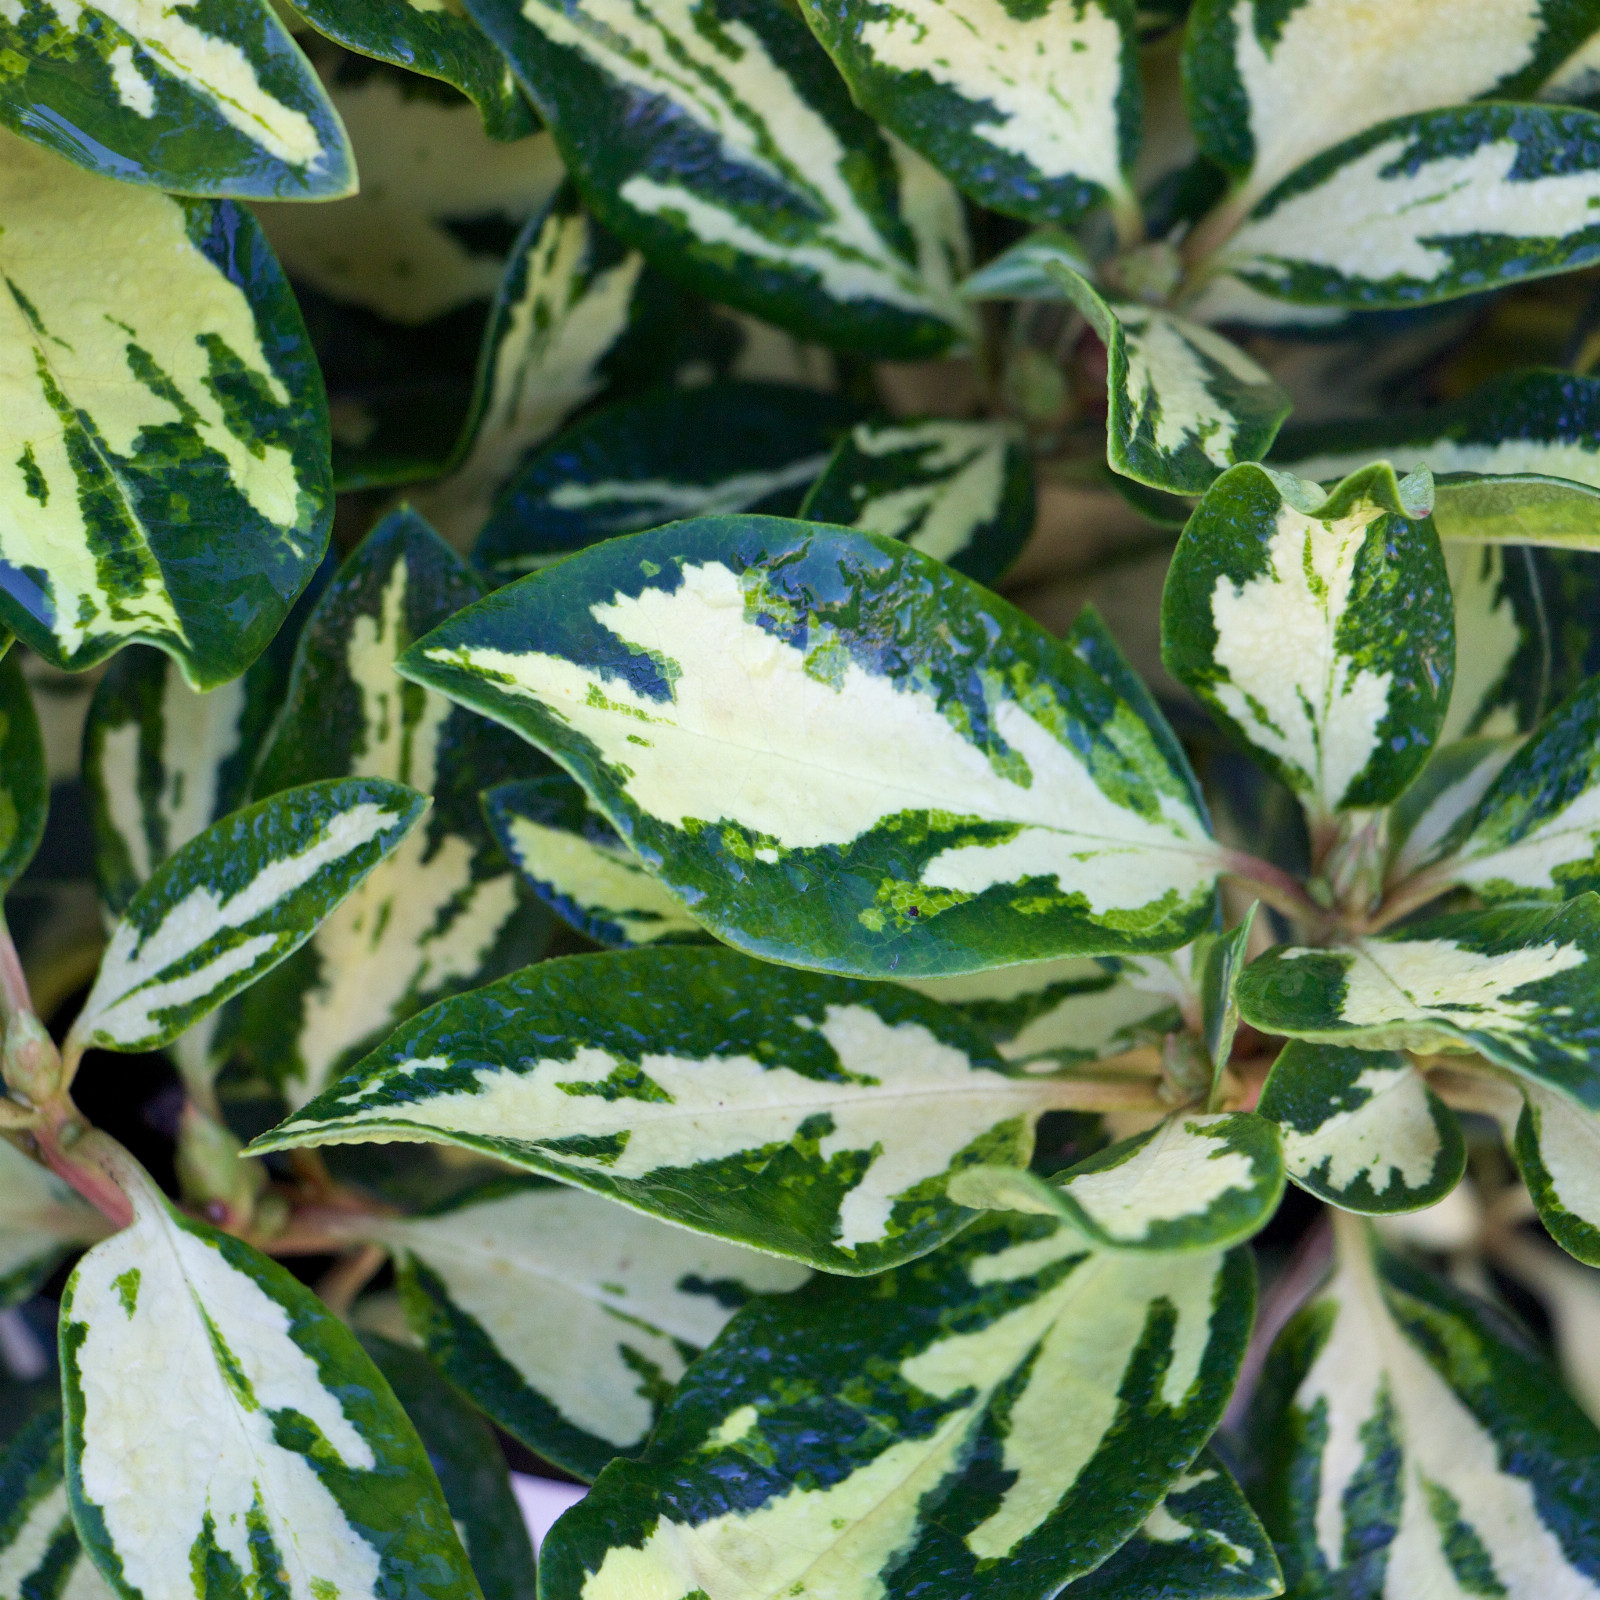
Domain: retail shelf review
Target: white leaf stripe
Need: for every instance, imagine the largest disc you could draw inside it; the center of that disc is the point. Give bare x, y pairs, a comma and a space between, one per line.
40, 1555
224, 1427
565, 1317
1557, 1146
999, 1407
234, 902
1448, 791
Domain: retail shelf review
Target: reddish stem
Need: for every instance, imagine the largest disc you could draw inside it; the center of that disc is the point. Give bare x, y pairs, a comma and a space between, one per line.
72, 1159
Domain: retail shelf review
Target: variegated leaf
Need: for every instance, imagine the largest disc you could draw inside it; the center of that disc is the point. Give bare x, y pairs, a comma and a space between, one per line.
1196, 1181
436, 40
1517, 460
839, 753
234, 902
1202, 1542
24, 777
1028, 1405
1535, 834
1361, 1129
1032, 112
1448, 790
445, 912
1520, 986
1577, 81
1416, 1444
1225, 955
574, 860
821, 1119
569, 294
961, 492
1272, 85
1183, 404
1557, 1146
567, 1319
200, 100
1317, 631
225, 1432
41, 1219
166, 436
41, 1557
665, 455
1503, 663
773, 192
1426, 208
1035, 268
471, 1469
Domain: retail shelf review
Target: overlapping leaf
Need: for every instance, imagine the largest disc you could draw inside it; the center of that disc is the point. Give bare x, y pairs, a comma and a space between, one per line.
566, 1318
40, 1553
838, 752
234, 902
573, 859
1503, 665
820, 1118
225, 1430
658, 458
446, 911
1416, 1443
773, 192
165, 436
1028, 1404
1557, 1147
1447, 791
1220, 959
1361, 1128
24, 777
961, 492
1283, 610
1032, 112
41, 1219
202, 100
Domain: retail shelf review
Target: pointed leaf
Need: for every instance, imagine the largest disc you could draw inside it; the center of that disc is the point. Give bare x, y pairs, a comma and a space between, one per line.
772, 192
167, 433
1418, 1443
24, 777
446, 912
41, 1219
821, 1120
467, 1460
1321, 638
225, 1429
925, 782
1361, 1129
1027, 1406
961, 492
437, 41
1519, 986
574, 860
1455, 779
213, 100
1184, 404
1262, 97
234, 902
1033, 112
1427, 208
1193, 1182
1557, 1146
1038, 267
1219, 1003
40, 1553
567, 1319
665, 455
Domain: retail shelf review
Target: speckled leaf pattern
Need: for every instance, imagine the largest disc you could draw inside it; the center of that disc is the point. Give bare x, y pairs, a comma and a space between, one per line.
471, 1469
40, 1553
1427, 208
1032, 111
436, 40
574, 860
234, 902
1196, 1181
1416, 1443
41, 1219
1280, 613
225, 1432
165, 438
773, 192
1028, 1405
1557, 1148
961, 492
209, 99
1361, 1129
1184, 404
926, 783
446, 911
658, 458
24, 778
820, 1120
565, 1318
1517, 985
